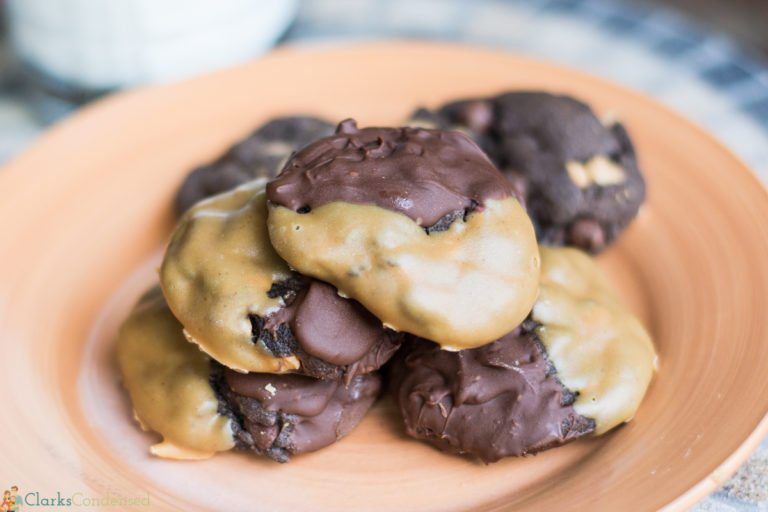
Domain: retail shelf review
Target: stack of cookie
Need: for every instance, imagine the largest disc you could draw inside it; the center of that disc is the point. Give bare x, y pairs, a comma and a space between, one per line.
293, 363
281, 301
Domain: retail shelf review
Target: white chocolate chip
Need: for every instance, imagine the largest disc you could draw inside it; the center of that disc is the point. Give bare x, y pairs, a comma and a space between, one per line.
421, 123
598, 170
610, 118
578, 174
277, 148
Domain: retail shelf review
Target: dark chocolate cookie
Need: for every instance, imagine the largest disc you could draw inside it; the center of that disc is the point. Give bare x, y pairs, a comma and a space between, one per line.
280, 416
583, 184
474, 117
502, 399
332, 337
261, 154
579, 177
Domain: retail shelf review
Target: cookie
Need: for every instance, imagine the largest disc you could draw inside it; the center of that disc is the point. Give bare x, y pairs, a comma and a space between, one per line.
200, 408
499, 400
243, 306
579, 176
600, 349
417, 225
581, 364
582, 178
473, 117
280, 416
167, 379
260, 155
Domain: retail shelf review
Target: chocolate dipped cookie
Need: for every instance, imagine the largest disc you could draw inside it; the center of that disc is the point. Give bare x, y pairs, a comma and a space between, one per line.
579, 365
417, 225
200, 407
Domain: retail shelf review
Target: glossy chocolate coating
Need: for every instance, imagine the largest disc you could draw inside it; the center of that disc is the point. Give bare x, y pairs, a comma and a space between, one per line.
502, 399
285, 415
330, 335
424, 174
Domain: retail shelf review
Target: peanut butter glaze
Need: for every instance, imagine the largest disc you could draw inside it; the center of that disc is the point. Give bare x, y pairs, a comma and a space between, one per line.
461, 287
600, 350
168, 381
217, 271
423, 174
242, 305
581, 365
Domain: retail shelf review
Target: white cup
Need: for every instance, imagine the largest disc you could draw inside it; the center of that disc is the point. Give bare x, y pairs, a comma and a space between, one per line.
106, 44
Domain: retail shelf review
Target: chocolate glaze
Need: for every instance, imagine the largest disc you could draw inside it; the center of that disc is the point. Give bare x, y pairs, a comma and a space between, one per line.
284, 415
291, 393
424, 174
332, 328
329, 334
501, 399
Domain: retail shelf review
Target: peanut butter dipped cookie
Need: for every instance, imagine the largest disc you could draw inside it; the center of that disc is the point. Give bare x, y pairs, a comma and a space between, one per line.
168, 380
201, 408
579, 365
243, 306
260, 155
417, 225
579, 175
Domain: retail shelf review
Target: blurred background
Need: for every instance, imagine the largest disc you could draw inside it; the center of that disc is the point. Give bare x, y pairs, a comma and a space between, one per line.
707, 59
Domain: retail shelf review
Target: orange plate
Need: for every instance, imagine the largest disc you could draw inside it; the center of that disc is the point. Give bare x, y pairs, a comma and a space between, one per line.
85, 211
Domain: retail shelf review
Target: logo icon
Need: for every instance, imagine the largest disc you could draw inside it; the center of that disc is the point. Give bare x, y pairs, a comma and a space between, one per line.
11, 500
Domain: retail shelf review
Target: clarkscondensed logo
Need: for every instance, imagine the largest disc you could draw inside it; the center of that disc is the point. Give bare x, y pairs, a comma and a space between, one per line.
14, 501
11, 500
